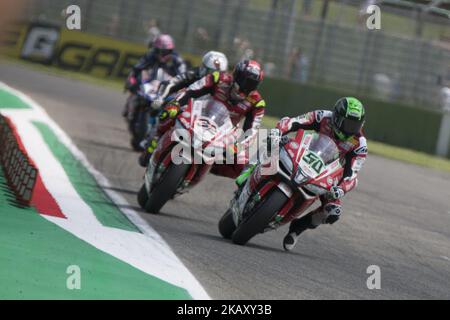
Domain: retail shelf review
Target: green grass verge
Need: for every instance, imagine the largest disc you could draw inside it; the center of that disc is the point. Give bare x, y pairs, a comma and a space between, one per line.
378, 148
410, 156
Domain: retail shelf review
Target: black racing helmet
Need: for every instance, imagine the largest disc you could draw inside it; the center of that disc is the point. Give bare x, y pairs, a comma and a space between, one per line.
348, 117
248, 75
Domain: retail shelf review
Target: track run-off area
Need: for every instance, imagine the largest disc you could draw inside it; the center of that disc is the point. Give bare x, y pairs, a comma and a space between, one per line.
397, 219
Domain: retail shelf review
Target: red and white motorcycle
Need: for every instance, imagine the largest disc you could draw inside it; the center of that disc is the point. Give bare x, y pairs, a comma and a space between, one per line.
186, 152
309, 166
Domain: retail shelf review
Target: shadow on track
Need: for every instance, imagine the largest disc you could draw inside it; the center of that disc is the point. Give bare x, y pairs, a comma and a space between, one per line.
218, 238
120, 190
90, 143
178, 217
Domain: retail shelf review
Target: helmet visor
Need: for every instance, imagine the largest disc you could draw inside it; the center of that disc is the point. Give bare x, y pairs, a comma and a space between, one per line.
205, 70
236, 93
163, 52
248, 85
351, 126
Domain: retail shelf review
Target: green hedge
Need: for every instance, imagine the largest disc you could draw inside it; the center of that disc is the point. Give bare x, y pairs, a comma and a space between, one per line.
391, 123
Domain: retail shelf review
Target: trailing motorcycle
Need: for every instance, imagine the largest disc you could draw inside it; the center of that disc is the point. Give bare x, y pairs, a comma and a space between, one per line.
140, 116
186, 152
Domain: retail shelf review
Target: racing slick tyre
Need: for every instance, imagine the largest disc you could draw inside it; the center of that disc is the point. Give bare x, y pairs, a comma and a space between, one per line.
257, 220
166, 187
227, 225
136, 144
139, 131
142, 196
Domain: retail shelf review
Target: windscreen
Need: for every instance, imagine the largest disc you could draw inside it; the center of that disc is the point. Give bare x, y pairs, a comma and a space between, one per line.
216, 113
325, 148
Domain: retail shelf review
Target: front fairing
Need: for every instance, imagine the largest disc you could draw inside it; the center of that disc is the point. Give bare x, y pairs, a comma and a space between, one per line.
315, 162
209, 127
149, 89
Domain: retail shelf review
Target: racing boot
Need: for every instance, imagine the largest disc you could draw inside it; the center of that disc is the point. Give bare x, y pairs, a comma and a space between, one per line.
147, 153
297, 227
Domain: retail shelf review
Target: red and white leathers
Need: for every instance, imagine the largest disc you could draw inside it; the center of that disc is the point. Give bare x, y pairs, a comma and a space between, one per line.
353, 151
250, 107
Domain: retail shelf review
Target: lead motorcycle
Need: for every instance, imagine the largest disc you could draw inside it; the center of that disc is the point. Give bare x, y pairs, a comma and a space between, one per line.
308, 166
181, 161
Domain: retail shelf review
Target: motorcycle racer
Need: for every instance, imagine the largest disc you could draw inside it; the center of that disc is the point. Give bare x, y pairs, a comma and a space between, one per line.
344, 125
211, 61
162, 55
238, 91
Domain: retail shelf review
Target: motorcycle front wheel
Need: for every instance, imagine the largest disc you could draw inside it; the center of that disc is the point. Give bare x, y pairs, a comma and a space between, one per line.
258, 219
227, 225
139, 129
166, 187
142, 196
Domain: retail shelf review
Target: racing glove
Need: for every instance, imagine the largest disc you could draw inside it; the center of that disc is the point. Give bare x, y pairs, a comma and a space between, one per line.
274, 137
335, 193
170, 111
157, 103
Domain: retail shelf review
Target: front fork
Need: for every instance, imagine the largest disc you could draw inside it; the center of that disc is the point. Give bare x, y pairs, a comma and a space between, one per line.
246, 198
158, 161
239, 200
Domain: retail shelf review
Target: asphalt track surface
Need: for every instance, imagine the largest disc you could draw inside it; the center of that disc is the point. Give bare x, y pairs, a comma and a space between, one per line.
397, 219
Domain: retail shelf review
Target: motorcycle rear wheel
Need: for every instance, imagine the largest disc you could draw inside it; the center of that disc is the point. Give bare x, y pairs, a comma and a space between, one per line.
255, 222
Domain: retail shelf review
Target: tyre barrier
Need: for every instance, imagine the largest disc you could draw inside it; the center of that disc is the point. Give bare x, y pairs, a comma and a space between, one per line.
20, 173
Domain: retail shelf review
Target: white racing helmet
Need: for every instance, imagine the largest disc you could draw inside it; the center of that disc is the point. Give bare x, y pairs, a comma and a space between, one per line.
213, 61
